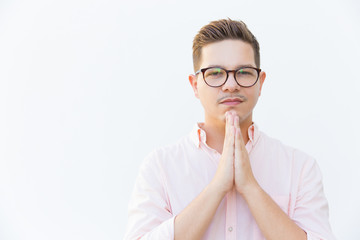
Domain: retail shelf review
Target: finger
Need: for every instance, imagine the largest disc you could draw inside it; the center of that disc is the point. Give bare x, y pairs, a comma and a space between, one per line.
227, 130
237, 150
237, 125
230, 132
227, 124
231, 144
237, 122
231, 138
229, 141
233, 114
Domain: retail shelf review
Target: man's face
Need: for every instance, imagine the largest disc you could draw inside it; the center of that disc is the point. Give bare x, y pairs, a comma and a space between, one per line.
230, 55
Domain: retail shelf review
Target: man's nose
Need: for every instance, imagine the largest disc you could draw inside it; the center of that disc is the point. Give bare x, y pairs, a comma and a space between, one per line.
230, 84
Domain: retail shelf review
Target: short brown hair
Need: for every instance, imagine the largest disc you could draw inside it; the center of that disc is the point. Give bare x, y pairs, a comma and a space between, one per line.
220, 30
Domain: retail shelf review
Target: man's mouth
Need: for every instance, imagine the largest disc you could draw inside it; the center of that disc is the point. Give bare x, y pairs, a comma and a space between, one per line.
231, 101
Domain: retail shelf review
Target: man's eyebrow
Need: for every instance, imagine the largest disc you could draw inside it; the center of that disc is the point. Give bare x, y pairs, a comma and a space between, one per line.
237, 67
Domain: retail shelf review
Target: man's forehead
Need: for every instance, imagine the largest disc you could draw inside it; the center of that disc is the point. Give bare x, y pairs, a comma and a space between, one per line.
234, 66
230, 44
228, 54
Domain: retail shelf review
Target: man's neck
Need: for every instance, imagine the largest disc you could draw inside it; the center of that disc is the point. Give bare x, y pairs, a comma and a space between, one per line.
215, 133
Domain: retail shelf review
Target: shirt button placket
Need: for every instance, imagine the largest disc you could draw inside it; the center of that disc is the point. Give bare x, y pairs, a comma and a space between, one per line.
231, 216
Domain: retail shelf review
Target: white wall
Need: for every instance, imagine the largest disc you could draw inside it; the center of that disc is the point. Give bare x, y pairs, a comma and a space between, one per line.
88, 88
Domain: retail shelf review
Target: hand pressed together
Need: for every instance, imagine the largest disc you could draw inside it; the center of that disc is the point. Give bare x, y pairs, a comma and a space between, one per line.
234, 168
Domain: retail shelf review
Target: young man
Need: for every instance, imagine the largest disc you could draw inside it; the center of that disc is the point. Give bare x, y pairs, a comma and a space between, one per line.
228, 180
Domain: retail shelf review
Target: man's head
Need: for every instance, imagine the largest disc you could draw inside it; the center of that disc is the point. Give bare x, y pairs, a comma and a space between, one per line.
226, 45
220, 30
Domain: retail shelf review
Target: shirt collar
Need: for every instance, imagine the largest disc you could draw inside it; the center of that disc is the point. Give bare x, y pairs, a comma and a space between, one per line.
198, 135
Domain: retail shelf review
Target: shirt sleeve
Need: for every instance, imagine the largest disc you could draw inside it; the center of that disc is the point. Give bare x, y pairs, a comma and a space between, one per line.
311, 211
149, 211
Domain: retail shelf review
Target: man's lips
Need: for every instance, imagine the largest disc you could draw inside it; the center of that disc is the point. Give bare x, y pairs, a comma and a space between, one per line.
231, 101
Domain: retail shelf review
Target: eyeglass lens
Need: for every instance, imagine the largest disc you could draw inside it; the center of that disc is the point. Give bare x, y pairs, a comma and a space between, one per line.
217, 76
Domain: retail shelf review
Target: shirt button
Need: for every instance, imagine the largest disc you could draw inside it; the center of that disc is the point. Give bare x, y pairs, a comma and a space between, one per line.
230, 229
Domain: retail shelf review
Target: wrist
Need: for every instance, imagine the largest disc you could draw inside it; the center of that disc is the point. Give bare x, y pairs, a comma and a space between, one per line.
250, 189
217, 189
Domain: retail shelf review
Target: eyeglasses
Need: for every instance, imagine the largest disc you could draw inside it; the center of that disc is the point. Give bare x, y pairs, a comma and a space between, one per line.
217, 76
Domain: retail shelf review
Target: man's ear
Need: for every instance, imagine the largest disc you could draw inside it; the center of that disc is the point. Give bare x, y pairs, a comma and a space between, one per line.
193, 83
261, 79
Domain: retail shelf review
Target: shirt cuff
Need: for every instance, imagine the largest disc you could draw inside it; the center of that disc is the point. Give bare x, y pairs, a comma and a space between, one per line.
164, 231
313, 236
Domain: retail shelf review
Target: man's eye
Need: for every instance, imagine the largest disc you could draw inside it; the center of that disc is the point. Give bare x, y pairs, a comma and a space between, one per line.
215, 73
246, 72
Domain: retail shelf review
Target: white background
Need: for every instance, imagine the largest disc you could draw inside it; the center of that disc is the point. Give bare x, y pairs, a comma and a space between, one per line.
89, 88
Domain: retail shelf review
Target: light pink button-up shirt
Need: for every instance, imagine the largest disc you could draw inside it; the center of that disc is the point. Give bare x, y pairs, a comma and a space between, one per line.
171, 177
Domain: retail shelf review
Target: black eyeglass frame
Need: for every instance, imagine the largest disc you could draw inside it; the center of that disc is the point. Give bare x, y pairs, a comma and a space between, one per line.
258, 70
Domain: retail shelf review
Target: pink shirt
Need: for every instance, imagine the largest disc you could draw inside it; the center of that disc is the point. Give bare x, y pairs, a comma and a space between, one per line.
171, 177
